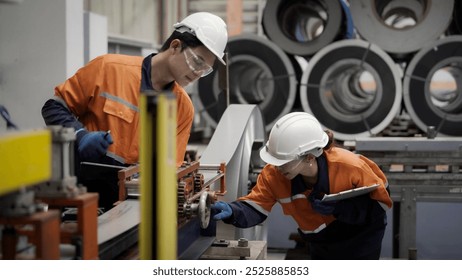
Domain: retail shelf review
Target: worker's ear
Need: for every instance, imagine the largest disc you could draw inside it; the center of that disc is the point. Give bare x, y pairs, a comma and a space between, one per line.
175, 45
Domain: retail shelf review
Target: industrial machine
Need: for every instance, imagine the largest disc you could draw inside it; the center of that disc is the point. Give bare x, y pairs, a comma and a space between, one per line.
194, 194
146, 220
118, 227
39, 165
26, 160
181, 230
422, 173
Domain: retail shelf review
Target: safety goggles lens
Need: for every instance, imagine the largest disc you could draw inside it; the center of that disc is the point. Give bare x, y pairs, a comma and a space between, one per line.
289, 166
196, 64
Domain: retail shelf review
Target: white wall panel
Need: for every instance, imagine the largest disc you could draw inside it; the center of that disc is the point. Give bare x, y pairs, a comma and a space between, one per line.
136, 19
96, 35
41, 44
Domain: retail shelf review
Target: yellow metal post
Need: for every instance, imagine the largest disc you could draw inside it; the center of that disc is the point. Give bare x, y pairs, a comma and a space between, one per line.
146, 182
158, 227
25, 159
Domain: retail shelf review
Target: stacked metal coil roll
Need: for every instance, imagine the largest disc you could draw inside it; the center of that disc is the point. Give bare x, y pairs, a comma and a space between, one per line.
304, 27
428, 102
343, 61
455, 27
401, 27
265, 70
259, 73
352, 87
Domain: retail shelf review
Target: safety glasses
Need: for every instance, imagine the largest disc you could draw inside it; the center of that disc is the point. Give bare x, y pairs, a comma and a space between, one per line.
196, 64
290, 169
289, 166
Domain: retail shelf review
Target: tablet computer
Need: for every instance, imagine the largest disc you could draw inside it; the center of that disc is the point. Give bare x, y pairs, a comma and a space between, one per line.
349, 193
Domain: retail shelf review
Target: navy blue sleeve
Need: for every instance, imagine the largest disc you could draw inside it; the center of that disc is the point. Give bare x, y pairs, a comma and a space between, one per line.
55, 113
244, 215
358, 210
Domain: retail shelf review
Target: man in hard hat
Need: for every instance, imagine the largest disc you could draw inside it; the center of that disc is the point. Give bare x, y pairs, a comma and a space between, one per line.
101, 101
303, 165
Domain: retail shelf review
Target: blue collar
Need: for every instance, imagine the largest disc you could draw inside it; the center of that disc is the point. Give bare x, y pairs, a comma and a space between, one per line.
146, 83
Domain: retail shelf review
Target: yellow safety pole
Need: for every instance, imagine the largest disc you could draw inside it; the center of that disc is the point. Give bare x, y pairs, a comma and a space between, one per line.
158, 226
145, 243
25, 159
166, 181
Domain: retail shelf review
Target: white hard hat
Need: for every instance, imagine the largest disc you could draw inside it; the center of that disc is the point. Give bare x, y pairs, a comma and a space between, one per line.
293, 136
210, 29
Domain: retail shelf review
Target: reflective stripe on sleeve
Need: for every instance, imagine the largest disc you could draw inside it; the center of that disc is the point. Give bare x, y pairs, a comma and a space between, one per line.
321, 227
257, 207
292, 198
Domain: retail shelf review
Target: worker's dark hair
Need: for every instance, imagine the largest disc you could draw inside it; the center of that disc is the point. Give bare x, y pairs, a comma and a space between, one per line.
331, 143
187, 40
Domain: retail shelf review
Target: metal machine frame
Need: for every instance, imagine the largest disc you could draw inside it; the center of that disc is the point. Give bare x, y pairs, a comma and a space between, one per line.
418, 170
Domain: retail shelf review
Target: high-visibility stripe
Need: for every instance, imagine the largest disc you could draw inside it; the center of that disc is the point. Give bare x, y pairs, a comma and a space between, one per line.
321, 227
120, 100
292, 198
257, 207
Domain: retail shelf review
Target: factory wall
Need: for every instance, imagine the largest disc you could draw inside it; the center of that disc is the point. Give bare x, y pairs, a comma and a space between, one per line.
39, 48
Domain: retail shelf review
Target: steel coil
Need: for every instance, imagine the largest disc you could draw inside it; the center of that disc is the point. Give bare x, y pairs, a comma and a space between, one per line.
259, 73
353, 88
236, 142
455, 28
303, 27
401, 27
432, 86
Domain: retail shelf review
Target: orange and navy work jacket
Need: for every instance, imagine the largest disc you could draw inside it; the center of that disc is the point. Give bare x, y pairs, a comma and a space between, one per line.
104, 95
338, 170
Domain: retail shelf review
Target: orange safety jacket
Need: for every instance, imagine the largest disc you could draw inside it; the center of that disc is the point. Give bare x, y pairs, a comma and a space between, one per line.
345, 170
104, 95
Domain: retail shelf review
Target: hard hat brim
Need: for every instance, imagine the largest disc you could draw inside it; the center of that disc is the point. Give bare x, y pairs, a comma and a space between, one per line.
268, 158
220, 59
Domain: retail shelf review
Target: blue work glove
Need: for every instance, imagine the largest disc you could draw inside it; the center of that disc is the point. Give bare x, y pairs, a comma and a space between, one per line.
224, 210
322, 207
93, 145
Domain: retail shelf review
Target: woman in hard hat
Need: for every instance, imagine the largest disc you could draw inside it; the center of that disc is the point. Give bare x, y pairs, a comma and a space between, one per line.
104, 94
303, 165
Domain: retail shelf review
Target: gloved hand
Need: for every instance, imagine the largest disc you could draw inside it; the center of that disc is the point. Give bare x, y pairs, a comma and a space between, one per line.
93, 145
322, 207
224, 210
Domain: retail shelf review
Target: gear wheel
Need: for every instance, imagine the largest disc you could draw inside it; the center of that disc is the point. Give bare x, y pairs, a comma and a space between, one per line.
204, 210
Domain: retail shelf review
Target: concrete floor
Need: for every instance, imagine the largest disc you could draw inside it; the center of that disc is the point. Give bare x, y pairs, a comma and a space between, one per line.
275, 254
